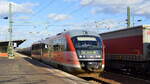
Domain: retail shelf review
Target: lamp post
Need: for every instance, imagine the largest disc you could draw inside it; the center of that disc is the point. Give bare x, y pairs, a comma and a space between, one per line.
128, 17
10, 44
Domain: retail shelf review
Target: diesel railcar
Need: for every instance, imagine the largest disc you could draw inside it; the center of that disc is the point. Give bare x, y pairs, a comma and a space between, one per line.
74, 51
128, 49
25, 51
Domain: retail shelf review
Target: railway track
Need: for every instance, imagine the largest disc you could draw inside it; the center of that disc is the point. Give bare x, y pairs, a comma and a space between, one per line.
112, 78
134, 75
96, 78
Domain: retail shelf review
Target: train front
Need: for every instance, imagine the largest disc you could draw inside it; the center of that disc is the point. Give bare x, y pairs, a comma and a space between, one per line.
89, 49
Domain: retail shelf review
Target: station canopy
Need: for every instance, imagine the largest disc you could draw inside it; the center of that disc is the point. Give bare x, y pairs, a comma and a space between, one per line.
17, 42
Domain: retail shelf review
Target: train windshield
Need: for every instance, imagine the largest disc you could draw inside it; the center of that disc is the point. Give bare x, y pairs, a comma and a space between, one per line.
89, 42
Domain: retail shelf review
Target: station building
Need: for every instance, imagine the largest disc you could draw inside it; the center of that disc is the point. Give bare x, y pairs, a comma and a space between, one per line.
4, 46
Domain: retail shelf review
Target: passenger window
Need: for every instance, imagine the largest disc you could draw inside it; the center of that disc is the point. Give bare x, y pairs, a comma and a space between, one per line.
56, 47
59, 47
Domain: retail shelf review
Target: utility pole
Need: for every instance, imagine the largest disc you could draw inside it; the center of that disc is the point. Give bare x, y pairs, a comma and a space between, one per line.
128, 17
10, 44
133, 21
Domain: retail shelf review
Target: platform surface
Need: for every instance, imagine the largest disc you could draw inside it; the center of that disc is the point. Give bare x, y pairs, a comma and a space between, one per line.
24, 70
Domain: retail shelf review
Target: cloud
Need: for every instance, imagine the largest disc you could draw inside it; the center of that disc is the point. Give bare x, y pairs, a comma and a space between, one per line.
86, 2
58, 17
16, 8
138, 7
3, 32
113, 2
70, 0
142, 9
3, 29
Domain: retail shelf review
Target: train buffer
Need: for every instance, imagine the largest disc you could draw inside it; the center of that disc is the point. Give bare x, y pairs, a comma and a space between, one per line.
24, 70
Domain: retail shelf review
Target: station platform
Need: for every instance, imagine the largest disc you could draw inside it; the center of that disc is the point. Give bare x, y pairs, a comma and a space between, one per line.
24, 70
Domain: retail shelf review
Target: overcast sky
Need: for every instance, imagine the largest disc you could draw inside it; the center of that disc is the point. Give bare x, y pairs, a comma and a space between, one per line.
37, 19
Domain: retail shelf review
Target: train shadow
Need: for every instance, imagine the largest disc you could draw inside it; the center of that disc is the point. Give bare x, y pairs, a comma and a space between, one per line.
41, 64
36, 62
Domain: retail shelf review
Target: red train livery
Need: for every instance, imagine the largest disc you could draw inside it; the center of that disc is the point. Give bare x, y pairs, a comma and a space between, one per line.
74, 51
128, 49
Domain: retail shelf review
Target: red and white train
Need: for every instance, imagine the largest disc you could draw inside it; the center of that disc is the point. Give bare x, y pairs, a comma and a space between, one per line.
128, 49
74, 51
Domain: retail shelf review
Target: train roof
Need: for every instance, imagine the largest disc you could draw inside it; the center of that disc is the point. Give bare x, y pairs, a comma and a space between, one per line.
81, 32
130, 28
72, 33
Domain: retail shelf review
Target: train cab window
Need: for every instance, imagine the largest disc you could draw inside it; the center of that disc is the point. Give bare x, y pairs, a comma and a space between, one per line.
87, 42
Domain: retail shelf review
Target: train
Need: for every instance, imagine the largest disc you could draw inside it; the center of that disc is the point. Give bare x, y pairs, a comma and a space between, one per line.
74, 51
128, 49
25, 51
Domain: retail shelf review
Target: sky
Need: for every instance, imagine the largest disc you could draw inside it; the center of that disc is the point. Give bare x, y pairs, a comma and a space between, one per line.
37, 19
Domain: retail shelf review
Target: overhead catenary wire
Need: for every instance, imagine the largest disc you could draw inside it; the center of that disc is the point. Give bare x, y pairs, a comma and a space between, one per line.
46, 6
43, 8
72, 12
51, 2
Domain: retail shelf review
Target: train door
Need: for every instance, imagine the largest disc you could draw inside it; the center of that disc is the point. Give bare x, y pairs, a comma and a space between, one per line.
40, 51
50, 50
146, 51
43, 52
146, 42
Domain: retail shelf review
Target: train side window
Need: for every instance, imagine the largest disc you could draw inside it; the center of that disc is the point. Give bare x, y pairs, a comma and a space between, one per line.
33, 47
42, 46
55, 47
65, 44
58, 47
61, 47
36, 46
50, 48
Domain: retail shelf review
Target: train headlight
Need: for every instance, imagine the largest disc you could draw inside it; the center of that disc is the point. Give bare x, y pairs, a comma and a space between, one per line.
83, 56
80, 56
